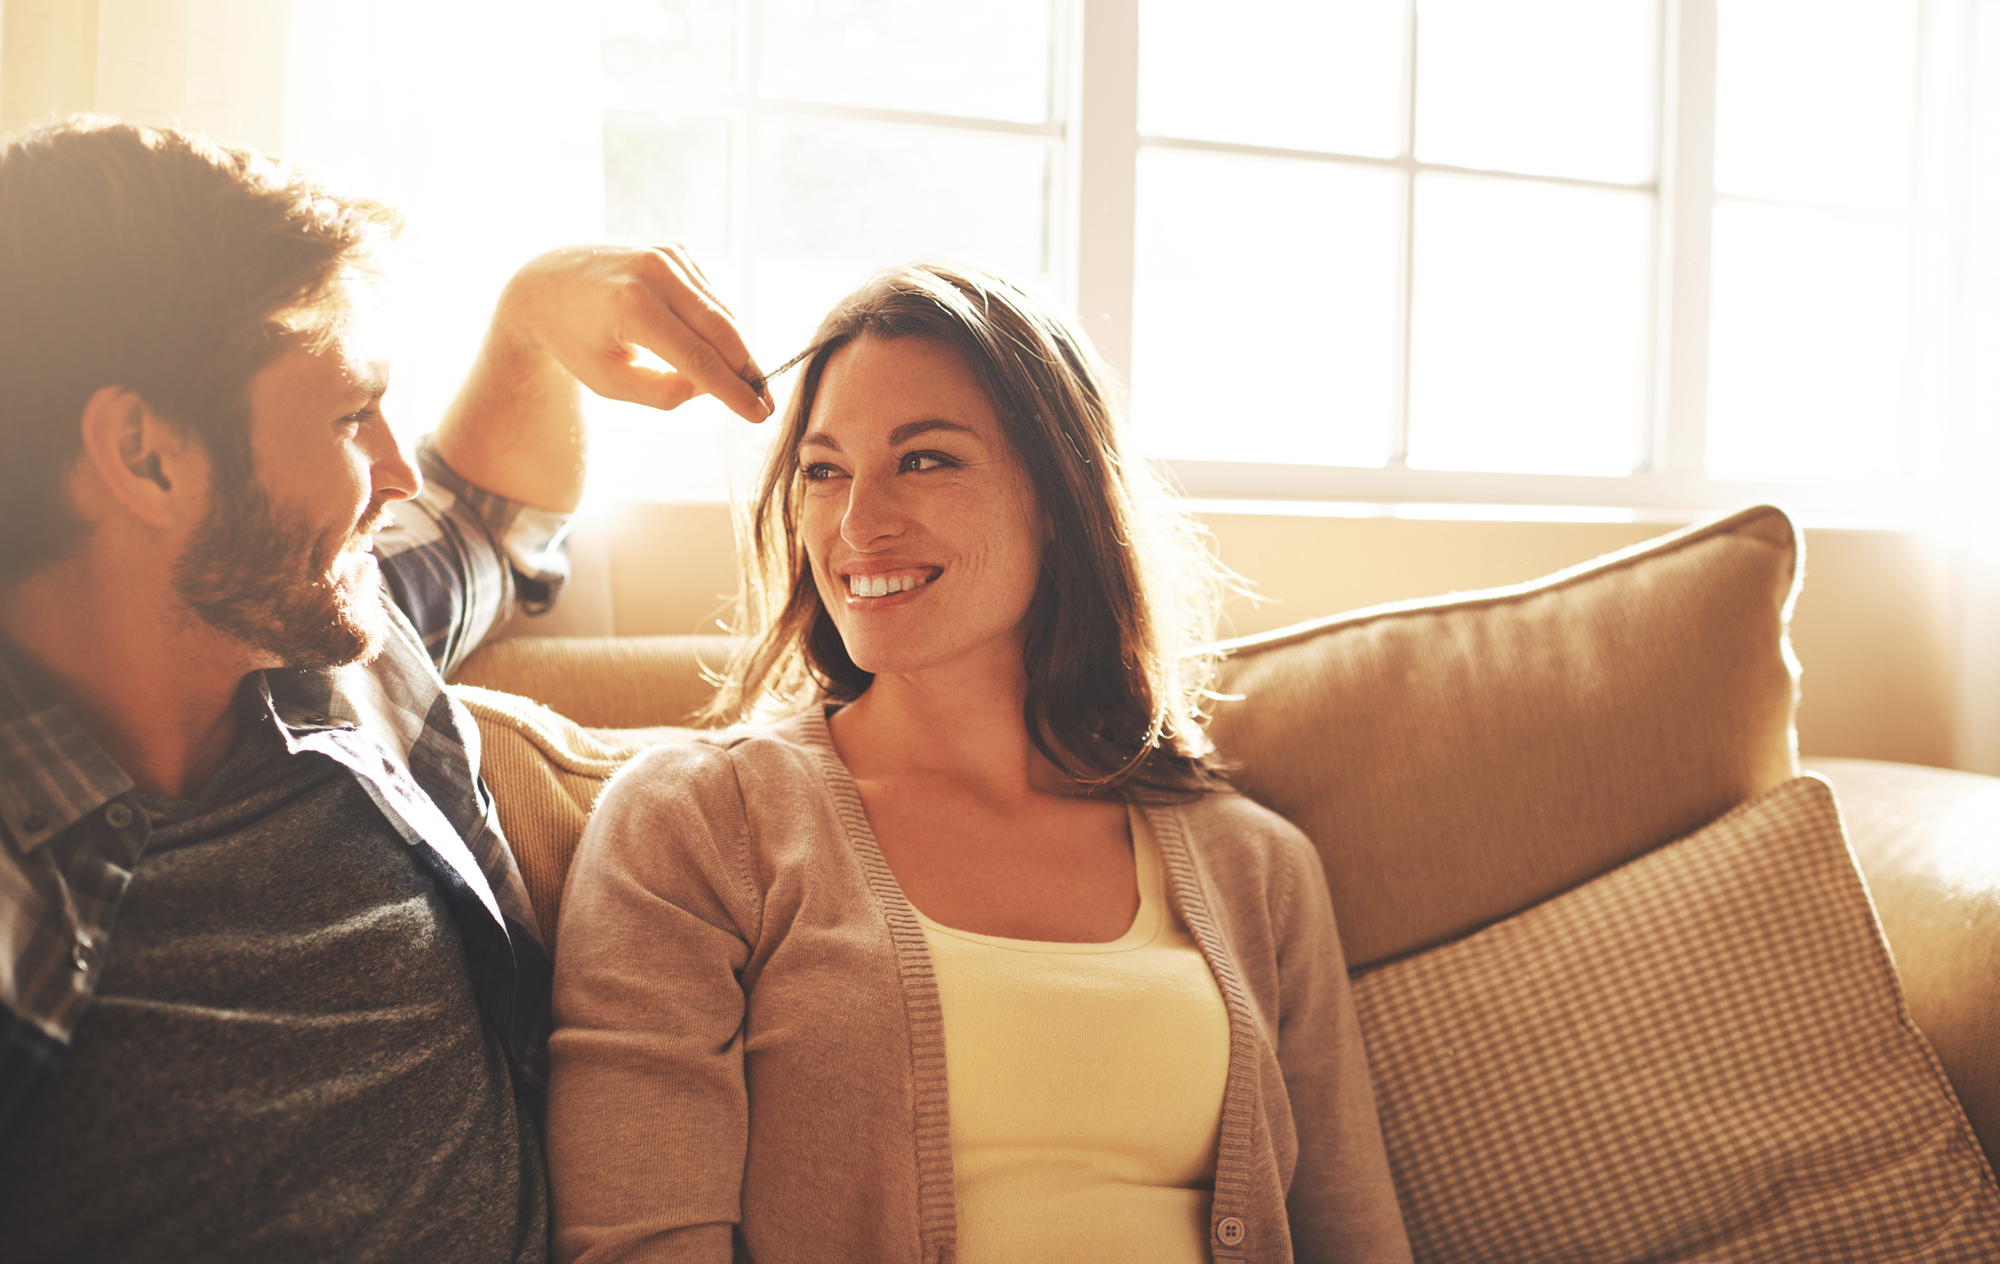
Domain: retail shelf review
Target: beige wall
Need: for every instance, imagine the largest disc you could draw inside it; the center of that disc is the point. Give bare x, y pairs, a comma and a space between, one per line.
1873, 630
216, 65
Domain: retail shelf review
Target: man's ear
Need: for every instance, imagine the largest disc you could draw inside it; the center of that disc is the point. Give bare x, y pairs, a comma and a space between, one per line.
134, 459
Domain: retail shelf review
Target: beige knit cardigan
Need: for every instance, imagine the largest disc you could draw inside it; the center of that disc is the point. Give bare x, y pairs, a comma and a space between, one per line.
750, 1058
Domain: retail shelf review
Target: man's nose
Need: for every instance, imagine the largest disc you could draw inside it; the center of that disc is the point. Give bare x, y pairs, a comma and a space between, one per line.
394, 474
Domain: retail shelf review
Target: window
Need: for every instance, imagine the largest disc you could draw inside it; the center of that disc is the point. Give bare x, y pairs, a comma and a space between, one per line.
1654, 254
797, 146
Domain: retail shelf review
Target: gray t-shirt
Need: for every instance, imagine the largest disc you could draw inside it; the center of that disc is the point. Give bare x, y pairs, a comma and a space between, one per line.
285, 1060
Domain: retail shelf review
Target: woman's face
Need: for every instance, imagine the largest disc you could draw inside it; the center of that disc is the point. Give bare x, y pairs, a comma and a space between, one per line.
920, 524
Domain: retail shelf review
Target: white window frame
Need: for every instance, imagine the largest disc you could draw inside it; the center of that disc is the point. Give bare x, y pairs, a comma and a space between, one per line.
1104, 144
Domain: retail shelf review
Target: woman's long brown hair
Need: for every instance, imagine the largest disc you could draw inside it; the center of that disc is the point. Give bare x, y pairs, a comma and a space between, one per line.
1129, 589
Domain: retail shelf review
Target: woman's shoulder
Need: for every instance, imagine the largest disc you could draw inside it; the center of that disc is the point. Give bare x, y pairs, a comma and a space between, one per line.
1228, 817
716, 760
688, 813
1257, 867
1238, 838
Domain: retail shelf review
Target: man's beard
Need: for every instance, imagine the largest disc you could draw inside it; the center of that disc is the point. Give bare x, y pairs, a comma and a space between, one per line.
269, 583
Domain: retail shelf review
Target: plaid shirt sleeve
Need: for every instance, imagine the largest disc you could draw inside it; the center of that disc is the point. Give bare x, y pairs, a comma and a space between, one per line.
460, 558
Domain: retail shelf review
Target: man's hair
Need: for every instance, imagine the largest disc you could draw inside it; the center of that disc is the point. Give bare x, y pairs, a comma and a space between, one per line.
157, 261
1128, 589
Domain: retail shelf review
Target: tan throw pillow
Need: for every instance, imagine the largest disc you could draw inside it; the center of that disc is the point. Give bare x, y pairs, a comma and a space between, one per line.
548, 771
1460, 759
1704, 1055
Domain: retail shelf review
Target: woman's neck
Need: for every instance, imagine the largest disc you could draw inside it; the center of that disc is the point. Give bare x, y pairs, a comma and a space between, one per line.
946, 725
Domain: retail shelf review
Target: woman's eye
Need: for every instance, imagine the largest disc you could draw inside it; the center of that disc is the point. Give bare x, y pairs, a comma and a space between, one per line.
922, 462
818, 472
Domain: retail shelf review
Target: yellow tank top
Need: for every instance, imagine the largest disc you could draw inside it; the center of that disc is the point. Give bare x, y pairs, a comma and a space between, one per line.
1086, 1087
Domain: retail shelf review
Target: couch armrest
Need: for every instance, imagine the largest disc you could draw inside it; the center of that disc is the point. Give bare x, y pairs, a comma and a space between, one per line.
1928, 841
604, 682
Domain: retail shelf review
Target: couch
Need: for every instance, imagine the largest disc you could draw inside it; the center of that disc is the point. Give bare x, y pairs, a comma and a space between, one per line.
1636, 983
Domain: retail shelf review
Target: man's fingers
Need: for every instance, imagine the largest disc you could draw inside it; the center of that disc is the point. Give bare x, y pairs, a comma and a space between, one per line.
650, 384
697, 338
711, 319
680, 255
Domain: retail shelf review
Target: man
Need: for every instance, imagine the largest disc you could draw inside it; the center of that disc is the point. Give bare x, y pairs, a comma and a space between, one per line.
270, 986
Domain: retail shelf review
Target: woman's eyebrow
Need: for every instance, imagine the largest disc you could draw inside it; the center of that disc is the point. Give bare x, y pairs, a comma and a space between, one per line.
911, 429
900, 435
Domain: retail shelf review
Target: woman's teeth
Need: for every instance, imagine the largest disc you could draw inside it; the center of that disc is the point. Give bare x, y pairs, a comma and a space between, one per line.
880, 585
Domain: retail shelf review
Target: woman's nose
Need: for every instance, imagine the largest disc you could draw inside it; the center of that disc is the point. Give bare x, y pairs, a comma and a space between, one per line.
872, 513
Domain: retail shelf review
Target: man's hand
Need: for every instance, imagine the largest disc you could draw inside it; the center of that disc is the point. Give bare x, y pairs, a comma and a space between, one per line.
584, 314
593, 307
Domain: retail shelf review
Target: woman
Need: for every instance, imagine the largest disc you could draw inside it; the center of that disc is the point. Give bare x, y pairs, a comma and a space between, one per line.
972, 956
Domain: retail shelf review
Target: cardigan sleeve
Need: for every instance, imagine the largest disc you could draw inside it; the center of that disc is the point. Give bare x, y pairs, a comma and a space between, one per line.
648, 1116
1342, 1201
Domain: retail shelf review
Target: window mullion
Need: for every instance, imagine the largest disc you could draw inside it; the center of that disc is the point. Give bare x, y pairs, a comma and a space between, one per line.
1399, 448
746, 212
1686, 225
1103, 153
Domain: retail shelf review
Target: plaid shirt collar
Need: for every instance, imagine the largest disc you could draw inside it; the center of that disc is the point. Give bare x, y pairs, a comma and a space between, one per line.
51, 772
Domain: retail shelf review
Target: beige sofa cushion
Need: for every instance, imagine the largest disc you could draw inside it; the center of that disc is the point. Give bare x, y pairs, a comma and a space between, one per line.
1703, 1055
1460, 759
612, 682
1928, 840
547, 771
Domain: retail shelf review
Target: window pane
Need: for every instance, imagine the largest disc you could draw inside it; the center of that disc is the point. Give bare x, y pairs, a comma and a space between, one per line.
1806, 374
658, 48
1554, 87
841, 200
985, 60
1264, 310
1816, 99
1294, 74
1530, 327
667, 180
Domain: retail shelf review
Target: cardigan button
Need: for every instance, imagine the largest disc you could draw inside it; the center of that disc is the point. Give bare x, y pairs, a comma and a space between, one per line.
1229, 1231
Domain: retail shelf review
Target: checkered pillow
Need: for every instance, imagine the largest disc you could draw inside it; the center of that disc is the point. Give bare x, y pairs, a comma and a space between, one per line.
1703, 1055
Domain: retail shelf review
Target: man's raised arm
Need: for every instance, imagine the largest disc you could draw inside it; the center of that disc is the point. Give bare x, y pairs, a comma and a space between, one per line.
580, 315
507, 461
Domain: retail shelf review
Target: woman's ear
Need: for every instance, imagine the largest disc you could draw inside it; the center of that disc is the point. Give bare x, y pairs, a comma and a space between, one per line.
134, 462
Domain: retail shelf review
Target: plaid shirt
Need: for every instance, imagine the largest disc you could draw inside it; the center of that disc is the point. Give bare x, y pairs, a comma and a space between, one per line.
70, 838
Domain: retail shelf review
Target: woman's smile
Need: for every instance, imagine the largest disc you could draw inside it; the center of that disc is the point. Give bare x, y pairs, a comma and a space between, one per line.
865, 588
